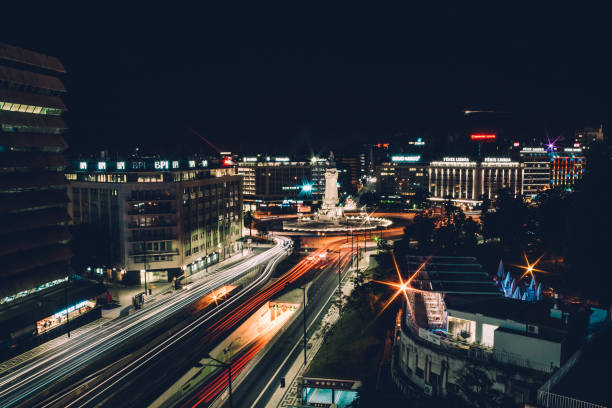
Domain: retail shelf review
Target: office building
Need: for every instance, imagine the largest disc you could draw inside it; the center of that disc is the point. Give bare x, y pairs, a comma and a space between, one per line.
398, 180
536, 171
466, 181
165, 217
279, 184
34, 251
567, 168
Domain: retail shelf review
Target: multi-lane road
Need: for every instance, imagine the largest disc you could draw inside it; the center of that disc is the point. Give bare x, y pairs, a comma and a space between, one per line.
24, 385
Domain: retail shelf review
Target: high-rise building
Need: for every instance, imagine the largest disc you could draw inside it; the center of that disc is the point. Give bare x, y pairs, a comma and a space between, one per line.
348, 166
279, 183
375, 154
398, 180
34, 255
567, 168
165, 217
536, 171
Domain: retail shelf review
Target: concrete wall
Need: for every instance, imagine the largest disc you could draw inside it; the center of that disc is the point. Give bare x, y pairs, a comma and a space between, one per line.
532, 349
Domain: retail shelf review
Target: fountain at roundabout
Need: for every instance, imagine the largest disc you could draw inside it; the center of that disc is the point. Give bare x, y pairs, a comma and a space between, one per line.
330, 217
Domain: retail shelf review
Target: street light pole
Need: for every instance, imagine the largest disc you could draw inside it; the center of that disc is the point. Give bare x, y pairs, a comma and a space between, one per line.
229, 376
67, 307
304, 314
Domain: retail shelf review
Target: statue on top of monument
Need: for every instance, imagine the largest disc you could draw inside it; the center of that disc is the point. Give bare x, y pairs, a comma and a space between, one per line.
331, 161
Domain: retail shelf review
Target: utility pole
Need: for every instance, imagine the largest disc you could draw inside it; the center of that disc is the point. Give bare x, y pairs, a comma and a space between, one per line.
144, 244
67, 306
304, 314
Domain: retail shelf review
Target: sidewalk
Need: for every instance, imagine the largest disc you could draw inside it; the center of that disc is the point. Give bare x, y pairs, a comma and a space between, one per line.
287, 397
123, 294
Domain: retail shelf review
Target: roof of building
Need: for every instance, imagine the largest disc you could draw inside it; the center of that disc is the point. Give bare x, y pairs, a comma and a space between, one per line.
505, 308
451, 275
33, 58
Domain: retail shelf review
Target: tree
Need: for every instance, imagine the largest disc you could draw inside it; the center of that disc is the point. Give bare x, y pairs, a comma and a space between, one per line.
477, 388
508, 222
248, 221
421, 230
421, 198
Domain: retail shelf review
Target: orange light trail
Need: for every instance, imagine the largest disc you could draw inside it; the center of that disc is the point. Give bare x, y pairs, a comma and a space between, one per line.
221, 326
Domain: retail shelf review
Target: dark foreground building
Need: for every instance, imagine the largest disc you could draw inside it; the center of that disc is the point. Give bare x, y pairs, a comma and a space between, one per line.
37, 289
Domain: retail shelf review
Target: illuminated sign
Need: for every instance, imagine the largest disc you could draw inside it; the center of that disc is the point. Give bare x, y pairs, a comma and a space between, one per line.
249, 159
192, 163
572, 150
281, 159
175, 164
497, 159
120, 165
576, 144
456, 159
101, 165
161, 165
226, 161
204, 163
225, 153
516, 144
483, 136
83, 165
413, 158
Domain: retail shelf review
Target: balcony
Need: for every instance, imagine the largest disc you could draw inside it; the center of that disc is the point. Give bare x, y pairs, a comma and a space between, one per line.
134, 225
469, 351
151, 211
159, 198
152, 252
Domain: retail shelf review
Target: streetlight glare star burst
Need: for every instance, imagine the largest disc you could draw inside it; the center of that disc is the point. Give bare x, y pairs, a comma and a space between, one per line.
403, 287
531, 267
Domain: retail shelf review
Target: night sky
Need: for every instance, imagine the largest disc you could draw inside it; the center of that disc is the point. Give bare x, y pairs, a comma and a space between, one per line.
303, 79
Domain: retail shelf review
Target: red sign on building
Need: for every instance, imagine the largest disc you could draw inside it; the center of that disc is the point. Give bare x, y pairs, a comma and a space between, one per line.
483, 136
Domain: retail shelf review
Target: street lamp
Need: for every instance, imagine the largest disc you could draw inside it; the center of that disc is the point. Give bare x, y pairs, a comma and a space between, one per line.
229, 374
304, 314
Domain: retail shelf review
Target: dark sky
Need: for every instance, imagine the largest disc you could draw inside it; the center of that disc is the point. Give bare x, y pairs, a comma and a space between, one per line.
296, 78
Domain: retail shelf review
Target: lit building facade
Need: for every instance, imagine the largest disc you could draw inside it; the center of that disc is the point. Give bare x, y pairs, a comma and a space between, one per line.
567, 168
165, 217
34, 253
458, 319
536, 171
454, 177
280, 184
466, 181
398, 180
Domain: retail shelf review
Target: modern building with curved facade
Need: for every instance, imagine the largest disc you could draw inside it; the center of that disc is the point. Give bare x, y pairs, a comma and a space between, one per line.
34, 255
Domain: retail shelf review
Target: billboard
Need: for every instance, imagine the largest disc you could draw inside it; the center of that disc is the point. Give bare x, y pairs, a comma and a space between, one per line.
483, 137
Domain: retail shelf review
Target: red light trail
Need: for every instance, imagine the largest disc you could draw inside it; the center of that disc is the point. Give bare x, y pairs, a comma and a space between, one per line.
220, 381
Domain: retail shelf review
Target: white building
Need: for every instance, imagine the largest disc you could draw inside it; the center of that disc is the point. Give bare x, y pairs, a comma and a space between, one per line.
466, 181
167, 217
460, 319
